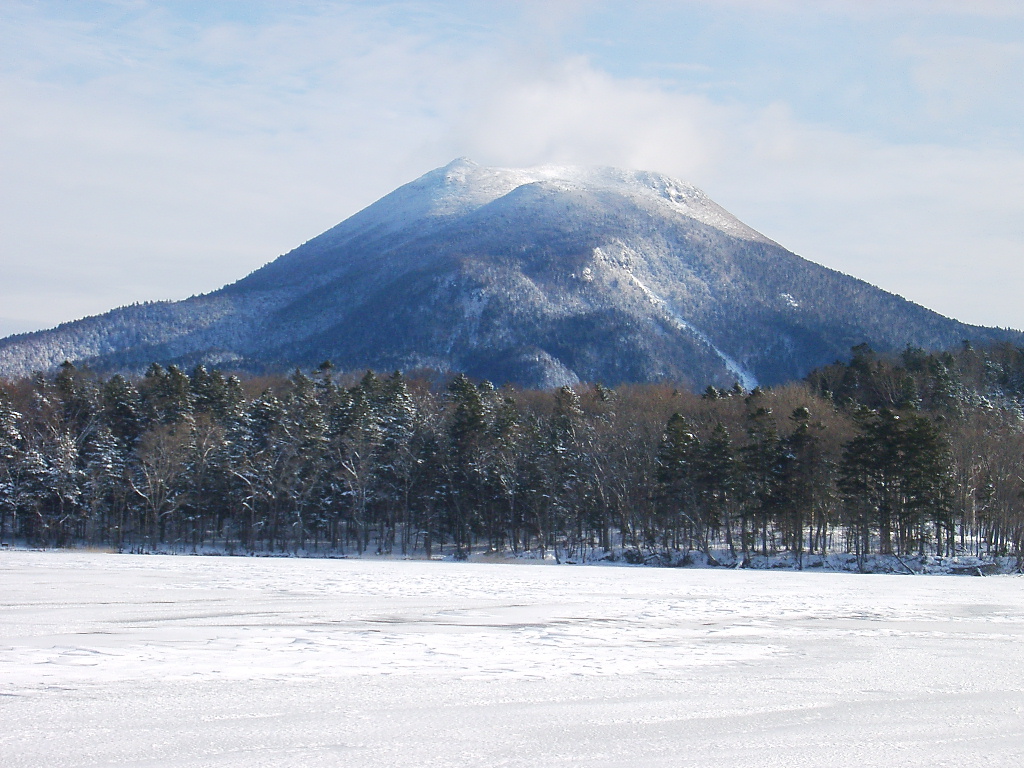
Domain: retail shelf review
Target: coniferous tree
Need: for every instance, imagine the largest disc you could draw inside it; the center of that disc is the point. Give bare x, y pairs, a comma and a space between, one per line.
466, 475
804, 480
569, 471
122, 410
679, 470
10, 470
717, 485
763, 469
104, 461
194, 461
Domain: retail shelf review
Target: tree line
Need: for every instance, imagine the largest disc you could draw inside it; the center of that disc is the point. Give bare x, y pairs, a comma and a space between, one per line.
921, 453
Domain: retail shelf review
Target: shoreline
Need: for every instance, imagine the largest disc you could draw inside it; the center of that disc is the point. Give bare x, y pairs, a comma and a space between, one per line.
908, 565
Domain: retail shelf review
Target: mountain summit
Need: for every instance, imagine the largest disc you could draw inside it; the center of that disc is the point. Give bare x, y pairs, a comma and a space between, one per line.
539, 276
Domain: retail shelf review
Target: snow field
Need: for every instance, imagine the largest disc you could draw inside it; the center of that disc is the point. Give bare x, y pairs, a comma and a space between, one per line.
120, 660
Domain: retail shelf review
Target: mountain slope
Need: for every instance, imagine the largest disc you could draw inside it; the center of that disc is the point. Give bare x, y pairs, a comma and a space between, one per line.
539, 276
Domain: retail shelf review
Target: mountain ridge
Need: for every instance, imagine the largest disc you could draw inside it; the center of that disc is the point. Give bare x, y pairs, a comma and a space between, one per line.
538, 276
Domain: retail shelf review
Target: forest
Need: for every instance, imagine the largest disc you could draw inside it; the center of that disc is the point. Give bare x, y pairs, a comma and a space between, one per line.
913, 454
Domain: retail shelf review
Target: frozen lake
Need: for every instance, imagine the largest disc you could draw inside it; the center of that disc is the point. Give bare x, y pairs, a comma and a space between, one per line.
120, 660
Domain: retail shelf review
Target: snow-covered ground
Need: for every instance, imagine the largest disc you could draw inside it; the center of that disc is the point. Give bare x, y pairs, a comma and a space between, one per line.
214, 661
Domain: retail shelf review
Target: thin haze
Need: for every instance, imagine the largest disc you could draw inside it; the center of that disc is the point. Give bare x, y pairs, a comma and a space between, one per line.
156, 150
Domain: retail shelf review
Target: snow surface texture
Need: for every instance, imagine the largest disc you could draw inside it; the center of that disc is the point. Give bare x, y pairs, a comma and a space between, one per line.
463, 186
120, 660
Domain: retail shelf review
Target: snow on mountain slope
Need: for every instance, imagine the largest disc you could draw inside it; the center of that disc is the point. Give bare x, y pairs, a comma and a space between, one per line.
463, 186
746, 379
538, 276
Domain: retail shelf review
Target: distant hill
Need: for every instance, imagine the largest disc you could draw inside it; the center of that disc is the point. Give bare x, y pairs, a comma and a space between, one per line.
537, 276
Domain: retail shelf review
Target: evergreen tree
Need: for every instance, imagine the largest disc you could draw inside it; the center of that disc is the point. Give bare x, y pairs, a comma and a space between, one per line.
466, 475
122, 410
10, 456
104, 462
167, 394
763, 471
191, 460
678, 474
569, 467
804, 475
896, 475
717, 486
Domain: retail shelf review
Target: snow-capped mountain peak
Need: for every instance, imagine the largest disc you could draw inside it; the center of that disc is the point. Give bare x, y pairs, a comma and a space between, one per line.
540, 276
462, 186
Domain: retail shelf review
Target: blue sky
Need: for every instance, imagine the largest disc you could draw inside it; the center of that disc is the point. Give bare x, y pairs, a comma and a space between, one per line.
156, 150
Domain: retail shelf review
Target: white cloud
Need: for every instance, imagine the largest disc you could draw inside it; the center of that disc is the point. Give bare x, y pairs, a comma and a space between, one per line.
575, 114
173, 161
960, 75
939, 225
155, 158
881, 8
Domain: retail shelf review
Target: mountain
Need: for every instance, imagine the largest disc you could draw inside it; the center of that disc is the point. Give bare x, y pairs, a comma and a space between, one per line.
539, 276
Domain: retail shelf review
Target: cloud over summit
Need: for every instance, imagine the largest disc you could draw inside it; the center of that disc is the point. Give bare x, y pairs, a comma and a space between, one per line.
156, 151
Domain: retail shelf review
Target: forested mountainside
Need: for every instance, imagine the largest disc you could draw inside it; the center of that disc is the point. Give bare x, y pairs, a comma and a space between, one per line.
539, 277
920, 453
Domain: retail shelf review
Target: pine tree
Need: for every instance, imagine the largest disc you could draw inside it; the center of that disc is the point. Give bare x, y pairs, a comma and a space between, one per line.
679, 467
466, 475
801, 479
122, 410
763, 469
717, 486
570, 471
503, 469
10, 455
167, 394
396, 413
927, 483
64, 483
104, 464
355, 435
896, 476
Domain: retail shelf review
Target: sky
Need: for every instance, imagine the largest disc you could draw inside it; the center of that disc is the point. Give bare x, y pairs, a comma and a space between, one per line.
156, 150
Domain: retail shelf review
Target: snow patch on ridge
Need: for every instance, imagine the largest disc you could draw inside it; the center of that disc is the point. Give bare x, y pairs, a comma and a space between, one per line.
463, 186
746, 379
789, 300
